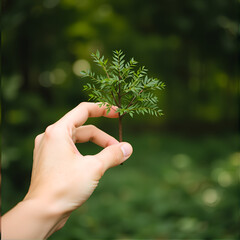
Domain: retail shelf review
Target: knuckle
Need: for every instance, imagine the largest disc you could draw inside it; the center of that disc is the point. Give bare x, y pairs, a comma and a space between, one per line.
37, 138
82, 104
50, 130
117, 159
36, 142
92, 127
92, 130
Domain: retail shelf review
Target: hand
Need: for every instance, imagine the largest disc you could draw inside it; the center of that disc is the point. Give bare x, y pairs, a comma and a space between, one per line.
62, 178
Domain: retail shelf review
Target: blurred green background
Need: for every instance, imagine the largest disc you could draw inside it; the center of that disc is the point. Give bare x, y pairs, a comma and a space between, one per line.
181, 182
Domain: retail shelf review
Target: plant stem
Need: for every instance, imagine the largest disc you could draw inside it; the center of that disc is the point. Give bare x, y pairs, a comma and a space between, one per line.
120, 127
119, 115
116, 102
120, 105
131, 103
105, 69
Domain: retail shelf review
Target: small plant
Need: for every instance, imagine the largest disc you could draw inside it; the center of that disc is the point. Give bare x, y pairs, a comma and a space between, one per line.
132, 91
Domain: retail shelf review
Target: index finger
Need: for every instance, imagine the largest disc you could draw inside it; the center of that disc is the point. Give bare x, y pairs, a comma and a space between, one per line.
79, 115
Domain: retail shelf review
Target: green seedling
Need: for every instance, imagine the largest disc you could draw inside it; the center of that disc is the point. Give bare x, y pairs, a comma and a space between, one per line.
123, 85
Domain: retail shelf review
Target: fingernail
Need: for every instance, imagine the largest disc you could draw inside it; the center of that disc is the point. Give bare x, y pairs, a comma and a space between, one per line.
126, 149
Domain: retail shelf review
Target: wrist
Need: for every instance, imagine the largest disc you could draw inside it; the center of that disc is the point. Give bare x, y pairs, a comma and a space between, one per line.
47, 211
33, 219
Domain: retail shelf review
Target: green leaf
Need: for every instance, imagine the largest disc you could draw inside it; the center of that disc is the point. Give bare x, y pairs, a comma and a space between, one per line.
98, 54
122, 80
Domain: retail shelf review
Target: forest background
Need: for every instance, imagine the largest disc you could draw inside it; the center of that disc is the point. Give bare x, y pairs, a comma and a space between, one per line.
181, 181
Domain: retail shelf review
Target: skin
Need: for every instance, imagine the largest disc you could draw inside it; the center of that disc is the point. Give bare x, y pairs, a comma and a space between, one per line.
62, 178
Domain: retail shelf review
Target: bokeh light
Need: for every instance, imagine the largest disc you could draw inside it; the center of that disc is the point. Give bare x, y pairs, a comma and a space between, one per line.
80, 65
210, 197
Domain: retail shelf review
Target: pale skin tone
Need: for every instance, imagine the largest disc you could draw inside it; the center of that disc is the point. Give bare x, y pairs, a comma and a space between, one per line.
62, 178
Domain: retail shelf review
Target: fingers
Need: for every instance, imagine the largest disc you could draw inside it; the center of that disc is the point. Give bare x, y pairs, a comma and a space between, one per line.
114, 155
79, 115
93, 134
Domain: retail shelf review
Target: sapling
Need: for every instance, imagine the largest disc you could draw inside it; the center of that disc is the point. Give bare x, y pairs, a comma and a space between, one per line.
124, 86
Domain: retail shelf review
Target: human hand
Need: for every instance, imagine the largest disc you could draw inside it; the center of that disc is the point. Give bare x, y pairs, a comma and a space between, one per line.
60, 173
62, 178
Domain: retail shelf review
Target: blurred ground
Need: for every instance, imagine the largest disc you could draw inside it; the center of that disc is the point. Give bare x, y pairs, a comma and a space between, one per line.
171, 188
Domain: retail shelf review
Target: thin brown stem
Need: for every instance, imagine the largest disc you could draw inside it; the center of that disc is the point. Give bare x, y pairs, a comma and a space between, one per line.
117, 103
130, 104
120, 127
120, 105
119, 115
125, 94
132, 101
105, 69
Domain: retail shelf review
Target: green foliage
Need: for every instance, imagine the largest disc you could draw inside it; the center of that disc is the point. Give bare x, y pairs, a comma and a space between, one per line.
123, 86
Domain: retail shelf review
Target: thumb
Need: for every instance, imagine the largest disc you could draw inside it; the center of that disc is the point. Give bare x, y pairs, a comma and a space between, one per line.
114, 155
